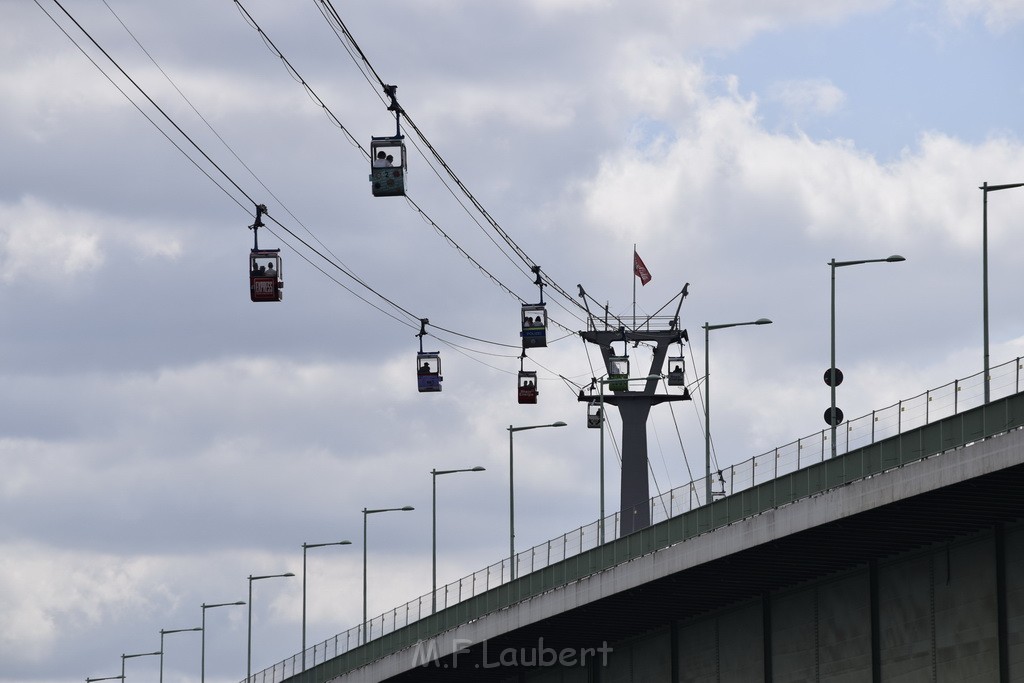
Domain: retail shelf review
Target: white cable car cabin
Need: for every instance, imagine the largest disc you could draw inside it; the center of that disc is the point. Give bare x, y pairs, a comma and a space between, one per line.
618, 373
676, 371
388, 166
535, 326
528, 386
594, 415
265, 279
428, 371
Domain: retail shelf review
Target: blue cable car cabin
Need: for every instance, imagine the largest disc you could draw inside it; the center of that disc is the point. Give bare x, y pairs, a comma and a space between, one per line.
594, 415
535, 326
388, 166
265, 279
676, 371
428, 371
528, 386
618, 373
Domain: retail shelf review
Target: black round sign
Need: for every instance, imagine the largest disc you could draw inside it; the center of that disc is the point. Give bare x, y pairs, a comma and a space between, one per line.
833, 420
838, 376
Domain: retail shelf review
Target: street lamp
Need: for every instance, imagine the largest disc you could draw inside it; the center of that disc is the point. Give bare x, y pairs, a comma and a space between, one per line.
105, 678
707, 399
367, 512
985, 189
202, 655
433, 547
164, 632
832, 376
512, 498
305, 547
143, 654
248, 649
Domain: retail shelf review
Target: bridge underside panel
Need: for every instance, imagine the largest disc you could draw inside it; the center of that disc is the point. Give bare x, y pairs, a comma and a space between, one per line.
937, 616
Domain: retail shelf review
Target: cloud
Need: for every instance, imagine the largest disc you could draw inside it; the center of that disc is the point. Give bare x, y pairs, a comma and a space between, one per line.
818, 187
46, 243
808, 97
999, 16
93, 589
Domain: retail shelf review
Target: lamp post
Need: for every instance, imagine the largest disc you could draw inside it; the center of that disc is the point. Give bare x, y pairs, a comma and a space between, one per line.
832, 375
248, 649
202, 652
512, 498
105, 678
433, 533
164, 632
985, 189
142, 654
305, 547
600, 518
366, 513
707, 399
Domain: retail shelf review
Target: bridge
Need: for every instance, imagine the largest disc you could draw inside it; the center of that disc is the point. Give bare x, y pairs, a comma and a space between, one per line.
900, 559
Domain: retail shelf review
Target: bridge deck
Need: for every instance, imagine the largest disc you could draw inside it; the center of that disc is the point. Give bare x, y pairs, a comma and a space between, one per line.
821, 519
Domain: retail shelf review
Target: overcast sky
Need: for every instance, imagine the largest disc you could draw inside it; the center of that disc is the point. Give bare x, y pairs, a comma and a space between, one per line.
162, 437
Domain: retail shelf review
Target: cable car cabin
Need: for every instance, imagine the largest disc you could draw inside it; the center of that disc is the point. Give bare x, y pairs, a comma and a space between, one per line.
618, 372
265, 280
676, 371
387, 166
528, 386
594, 415
428, 371
535, 326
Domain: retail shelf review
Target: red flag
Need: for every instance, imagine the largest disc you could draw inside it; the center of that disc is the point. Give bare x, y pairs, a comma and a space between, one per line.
640, 270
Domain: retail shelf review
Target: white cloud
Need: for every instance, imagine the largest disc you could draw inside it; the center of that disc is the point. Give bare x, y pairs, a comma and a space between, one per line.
999, 16
821, 187
808, 97
38, 241
46, 243
45, 594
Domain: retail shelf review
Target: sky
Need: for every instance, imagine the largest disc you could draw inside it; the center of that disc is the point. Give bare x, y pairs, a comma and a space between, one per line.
162, 437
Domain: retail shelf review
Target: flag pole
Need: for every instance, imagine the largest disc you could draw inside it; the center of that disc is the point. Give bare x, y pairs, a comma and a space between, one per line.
634, 284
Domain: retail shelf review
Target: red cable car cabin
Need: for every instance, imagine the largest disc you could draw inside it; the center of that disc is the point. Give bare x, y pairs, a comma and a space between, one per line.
528, 386
265, 279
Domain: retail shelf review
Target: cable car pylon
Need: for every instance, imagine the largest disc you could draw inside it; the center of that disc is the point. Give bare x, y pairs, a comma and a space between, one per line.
634, 406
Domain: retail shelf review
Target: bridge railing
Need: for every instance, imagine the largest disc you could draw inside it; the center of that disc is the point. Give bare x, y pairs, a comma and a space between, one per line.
932, 405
